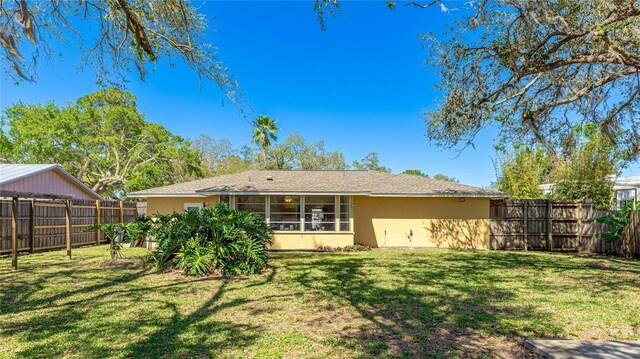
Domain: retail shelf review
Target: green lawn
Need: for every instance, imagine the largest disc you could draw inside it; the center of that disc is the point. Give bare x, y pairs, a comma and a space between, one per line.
379, 303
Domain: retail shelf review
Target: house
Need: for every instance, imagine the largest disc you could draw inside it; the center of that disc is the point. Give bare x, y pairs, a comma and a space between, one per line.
309, 209
625, 189
43, 178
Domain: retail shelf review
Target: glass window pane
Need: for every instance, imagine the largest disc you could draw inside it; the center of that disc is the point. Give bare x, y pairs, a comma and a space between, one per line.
285, 217
320, 226
320, 199
285, 226
226, 199
344, 226
285, 208
284, 213
285, 199
320, 213
255, 204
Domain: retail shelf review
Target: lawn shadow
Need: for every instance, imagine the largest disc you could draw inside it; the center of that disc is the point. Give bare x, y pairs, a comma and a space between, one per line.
101, 319
422, 309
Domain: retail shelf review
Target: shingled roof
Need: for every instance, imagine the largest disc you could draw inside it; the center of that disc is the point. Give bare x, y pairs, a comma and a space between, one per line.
370, 183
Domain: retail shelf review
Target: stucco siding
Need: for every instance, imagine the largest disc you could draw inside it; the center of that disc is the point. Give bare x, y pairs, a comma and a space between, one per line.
52, 182
421, 222
166, 205
310, 240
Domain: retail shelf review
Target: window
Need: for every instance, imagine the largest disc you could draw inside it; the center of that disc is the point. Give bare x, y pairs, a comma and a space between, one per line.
255, 204
320, 213
226, 199
284, 213
192, 206
345, 214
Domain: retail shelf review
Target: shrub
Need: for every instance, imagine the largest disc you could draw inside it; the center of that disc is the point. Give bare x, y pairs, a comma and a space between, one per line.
117, 234
618, 220
217, 238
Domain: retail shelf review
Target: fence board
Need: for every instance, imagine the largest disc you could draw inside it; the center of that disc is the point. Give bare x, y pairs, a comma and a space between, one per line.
41, 224
557, 225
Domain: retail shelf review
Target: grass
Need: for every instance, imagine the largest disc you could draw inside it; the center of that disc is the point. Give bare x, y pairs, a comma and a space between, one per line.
428, 303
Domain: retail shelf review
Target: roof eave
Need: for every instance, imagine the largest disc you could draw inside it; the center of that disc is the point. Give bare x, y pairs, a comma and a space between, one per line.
443, 195
276, 193
160, 195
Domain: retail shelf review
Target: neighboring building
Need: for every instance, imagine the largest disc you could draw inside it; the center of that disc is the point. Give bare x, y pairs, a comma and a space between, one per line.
309, 209
625, 189
43, 178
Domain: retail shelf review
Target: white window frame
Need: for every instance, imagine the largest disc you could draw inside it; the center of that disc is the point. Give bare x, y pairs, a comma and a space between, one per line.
303, 200
192, 205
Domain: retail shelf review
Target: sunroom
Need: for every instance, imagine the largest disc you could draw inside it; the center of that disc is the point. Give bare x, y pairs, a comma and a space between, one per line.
299, 220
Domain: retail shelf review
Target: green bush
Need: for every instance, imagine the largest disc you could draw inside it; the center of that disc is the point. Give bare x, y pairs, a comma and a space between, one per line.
618, 220
217, 238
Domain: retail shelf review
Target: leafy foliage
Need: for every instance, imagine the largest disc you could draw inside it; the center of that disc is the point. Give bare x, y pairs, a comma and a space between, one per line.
618, 220
102, 139
439, 176
415, 173
221, 157
119, 233
264, 132
522, 171
371, 162
216, 238
536, 69
587, 170
113, 36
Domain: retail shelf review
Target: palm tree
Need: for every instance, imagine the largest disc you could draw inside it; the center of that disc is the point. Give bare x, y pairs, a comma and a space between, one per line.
264, 132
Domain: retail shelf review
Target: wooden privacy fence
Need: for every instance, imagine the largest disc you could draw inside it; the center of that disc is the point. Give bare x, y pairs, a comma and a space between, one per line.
556, 225
42, 224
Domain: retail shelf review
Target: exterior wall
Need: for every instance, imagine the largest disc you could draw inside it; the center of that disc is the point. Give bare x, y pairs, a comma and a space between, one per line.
166, 205
281, 240
310, 240
52, 182
421, 222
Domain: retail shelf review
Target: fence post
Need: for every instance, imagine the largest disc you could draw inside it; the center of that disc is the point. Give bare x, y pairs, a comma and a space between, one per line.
580, 215
98, 220
549, 225
32, 224
14, 233
525, 225
68, 222
121, 212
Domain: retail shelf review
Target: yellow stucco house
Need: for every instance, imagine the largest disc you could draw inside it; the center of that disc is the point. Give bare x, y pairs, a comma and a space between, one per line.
309, 209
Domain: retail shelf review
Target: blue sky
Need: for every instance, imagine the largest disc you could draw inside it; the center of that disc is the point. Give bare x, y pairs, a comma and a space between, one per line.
360, 86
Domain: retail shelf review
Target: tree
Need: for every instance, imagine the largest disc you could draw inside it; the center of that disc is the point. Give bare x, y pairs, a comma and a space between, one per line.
587, 171
264, 132
443, 177
113, 36
220, 156
415, 173
371, 162
536, 69
522, 171
102, 139
296, 153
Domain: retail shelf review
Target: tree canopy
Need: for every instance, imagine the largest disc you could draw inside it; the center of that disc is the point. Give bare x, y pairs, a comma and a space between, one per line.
585, 170
370, 162
293, 153
102, 139
113, 36
438, 176
536, 69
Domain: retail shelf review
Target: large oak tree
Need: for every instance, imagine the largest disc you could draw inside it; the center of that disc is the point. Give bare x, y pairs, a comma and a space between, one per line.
102, 139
